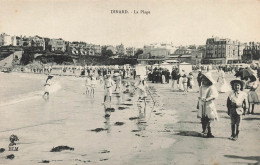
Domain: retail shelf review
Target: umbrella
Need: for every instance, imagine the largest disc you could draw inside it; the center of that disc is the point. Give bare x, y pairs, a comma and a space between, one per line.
244, 74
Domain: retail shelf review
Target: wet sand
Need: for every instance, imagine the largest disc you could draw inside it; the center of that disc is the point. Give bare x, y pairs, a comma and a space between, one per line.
190, 147
166, 132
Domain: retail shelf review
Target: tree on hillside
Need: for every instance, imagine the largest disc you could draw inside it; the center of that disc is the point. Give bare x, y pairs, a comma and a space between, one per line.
105, 52
27, 58
138, 52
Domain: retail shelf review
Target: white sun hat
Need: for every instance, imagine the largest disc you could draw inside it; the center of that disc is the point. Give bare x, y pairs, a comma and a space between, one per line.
208, 75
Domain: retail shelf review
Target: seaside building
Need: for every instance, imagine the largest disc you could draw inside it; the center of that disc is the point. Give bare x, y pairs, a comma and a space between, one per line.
160, 52
153, 55
26, 41
57, 45
19, 41
74, 48
196, 57
47, 46
74, 51
37, 41
222, 51
251, 51
82, 48
120, 50
97, 50
181, 54
81, 44
90, 49
6, 40
147, 49
82, 51
13, 41
130, 51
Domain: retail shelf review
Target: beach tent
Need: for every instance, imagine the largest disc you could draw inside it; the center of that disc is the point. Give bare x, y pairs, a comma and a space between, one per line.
166, 65
187, 67
172, 61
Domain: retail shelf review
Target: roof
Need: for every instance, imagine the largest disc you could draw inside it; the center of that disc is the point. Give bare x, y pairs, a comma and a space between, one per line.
164, 63
185, 56
158, 59
179, 56
184, 63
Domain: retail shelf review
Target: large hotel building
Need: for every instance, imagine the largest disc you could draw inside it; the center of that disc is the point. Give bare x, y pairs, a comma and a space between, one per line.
223, 51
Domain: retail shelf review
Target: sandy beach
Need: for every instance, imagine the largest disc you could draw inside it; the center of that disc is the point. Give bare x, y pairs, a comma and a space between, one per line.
165, 132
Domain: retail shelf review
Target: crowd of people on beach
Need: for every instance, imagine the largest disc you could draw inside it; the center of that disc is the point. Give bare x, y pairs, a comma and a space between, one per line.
241, 100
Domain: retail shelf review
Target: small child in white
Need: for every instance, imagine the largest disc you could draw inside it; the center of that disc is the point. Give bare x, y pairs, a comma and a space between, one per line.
236, 103
185, 83
88, 85
93, 85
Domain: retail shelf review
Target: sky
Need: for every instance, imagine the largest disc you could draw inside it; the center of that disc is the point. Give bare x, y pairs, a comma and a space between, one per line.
181, 22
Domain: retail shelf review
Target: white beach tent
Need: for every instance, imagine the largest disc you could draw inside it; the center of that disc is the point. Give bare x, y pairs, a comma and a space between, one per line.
172, 61
166, 65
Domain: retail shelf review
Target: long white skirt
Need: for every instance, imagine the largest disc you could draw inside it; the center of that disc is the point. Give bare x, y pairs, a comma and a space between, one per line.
163, 79
224, 87
181, 84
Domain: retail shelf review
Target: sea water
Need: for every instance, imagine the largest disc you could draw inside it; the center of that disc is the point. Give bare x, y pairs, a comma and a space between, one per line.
68, 117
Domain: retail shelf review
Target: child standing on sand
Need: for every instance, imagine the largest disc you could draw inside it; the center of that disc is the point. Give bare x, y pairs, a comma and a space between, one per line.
118, 82
236, 103
206, 106
93, 85
185, 83
108, 87
88, 85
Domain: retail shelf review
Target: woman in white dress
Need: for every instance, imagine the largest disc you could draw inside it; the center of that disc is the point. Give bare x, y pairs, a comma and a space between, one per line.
190, 81
224, 87
181, 88
163, 79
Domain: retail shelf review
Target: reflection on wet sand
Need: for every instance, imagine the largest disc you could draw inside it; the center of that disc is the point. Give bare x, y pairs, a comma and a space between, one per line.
107, 118
142, 117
